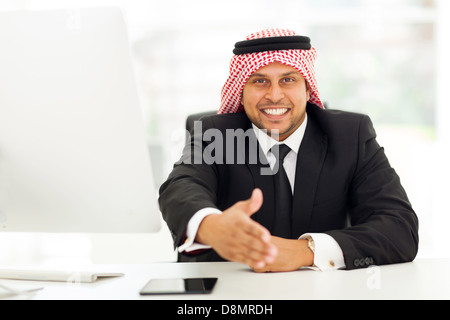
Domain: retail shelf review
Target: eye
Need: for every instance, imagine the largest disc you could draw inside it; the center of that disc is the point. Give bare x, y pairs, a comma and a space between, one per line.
260, 81
288, 80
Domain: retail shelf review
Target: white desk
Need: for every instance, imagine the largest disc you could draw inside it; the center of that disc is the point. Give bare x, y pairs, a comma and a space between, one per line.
421, 279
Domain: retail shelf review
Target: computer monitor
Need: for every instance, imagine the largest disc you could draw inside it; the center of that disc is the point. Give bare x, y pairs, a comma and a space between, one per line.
73, 152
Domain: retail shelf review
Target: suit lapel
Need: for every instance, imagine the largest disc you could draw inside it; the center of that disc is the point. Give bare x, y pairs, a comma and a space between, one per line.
309, 166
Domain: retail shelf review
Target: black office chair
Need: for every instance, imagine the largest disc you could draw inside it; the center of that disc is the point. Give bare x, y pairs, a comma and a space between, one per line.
196, 117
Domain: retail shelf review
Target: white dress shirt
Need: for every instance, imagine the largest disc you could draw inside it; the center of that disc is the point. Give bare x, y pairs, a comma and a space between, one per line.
327, 254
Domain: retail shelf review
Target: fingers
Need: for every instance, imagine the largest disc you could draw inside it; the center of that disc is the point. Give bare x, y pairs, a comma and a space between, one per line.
250, 243
237, 237
256, 201
257, 251
252, 258
253, 204
256, 248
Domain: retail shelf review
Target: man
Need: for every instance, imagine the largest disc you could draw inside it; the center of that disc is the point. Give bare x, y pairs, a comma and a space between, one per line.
331, 201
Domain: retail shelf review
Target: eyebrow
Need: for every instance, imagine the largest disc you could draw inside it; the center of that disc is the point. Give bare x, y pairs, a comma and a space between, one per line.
256, 74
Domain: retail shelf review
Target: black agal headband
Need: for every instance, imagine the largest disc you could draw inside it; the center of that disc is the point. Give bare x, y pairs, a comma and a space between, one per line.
271, 44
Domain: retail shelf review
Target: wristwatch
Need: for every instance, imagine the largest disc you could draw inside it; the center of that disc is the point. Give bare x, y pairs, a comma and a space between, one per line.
311, 244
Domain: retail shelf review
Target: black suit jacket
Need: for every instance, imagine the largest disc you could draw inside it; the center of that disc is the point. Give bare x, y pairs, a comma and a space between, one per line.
344, 186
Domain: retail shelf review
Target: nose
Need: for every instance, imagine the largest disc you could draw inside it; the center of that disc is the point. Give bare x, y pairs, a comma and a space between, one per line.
274, 93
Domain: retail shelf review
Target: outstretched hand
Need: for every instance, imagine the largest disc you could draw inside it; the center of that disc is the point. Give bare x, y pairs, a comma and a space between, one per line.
236, 237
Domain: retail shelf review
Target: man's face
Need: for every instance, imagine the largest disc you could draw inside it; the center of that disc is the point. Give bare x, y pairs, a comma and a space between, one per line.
274, 98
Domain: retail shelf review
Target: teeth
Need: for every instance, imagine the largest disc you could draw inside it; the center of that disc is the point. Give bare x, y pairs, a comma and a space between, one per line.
276, 112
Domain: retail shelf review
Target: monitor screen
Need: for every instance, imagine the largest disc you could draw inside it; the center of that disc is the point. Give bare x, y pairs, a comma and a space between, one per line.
73, 151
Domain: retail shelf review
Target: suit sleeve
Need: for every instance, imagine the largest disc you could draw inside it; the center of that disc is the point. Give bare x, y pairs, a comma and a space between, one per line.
383, 226
190, 187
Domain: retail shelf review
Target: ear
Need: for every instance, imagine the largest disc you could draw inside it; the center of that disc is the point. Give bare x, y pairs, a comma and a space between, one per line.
308, 91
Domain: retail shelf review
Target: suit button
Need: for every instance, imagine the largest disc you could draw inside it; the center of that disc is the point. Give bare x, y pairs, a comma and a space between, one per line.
356, 263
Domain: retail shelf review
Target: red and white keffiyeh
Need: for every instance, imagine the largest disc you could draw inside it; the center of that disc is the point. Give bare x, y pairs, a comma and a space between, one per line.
244, 65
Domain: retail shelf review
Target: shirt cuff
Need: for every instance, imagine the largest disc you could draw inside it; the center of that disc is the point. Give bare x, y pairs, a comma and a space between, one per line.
189, 244
328, 254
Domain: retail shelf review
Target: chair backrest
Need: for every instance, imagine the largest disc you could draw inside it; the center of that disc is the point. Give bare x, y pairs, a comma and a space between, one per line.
195, 117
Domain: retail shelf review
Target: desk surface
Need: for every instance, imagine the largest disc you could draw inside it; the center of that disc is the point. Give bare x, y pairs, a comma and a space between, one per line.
421, 279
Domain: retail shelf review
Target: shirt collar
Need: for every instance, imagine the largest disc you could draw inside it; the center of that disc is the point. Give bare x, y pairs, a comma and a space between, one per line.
293, 141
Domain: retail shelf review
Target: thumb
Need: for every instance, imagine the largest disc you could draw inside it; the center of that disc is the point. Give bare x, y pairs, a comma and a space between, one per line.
253, 204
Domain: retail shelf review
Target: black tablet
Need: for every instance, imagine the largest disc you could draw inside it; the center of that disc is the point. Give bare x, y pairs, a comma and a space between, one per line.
179, 286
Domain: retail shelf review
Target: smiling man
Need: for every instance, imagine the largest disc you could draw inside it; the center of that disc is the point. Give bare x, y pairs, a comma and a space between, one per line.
334, 203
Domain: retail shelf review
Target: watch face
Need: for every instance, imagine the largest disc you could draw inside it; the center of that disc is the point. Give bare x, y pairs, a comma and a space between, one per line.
311, 244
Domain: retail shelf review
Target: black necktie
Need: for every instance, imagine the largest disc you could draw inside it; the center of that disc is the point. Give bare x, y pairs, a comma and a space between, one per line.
283, 194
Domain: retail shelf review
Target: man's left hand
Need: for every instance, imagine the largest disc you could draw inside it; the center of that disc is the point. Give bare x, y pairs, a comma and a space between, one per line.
292, 255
